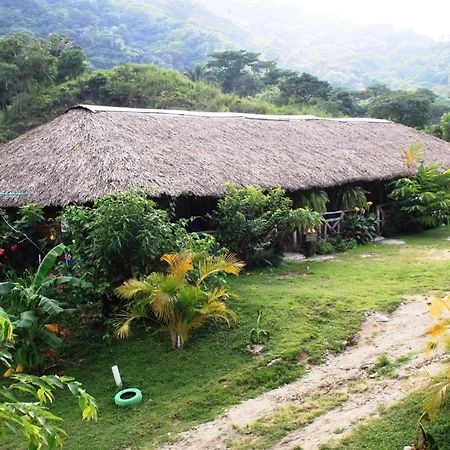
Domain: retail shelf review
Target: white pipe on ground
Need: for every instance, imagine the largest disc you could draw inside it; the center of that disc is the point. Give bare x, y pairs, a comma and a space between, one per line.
116, 375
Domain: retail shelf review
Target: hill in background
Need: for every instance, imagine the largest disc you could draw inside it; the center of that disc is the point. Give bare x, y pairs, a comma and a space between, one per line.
181, 33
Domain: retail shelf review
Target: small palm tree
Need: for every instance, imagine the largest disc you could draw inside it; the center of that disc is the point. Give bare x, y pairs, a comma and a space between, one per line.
182, 299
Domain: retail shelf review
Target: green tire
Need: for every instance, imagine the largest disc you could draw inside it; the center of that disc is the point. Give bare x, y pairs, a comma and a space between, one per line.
127, 397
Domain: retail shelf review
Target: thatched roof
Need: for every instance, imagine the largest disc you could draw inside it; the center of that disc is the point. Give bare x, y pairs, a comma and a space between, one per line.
92, 151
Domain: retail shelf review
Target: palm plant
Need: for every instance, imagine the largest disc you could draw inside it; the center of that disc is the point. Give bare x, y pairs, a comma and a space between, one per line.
34, 312
182, 299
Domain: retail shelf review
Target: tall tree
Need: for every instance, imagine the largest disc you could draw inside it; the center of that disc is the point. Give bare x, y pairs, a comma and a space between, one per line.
236, 71
71, 63
304, 88
409, 108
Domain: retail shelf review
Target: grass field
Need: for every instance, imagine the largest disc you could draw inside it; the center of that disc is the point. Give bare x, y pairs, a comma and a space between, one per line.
309, 309
397, 428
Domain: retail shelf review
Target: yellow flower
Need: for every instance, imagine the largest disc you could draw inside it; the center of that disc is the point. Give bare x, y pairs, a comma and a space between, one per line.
356, 209
369, 203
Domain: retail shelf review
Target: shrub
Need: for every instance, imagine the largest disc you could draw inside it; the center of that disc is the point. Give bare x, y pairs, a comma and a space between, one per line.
324, 247
121, 235
335, 244
360, 227
254, 224
424, 200
341, 244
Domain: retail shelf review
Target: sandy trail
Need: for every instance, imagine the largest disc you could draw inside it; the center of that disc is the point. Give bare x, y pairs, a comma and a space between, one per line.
402, 333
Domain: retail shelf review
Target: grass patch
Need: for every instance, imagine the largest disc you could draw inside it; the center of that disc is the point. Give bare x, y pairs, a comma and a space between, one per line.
385, 367
309, 309
396, 429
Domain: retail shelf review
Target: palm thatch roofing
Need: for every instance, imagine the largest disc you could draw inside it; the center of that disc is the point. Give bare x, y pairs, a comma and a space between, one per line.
91, 151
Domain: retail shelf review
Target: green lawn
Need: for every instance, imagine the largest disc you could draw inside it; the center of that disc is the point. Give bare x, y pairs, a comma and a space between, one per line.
397, 428
308, 308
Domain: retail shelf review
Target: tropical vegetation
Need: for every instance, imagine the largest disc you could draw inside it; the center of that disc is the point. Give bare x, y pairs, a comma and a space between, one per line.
24, 398
184, 298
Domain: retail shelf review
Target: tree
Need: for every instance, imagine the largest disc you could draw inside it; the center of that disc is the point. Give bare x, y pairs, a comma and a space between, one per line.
304, 88
409, 108
445, 126
346, 101
196, 73
71, 63
9, 86
236, 71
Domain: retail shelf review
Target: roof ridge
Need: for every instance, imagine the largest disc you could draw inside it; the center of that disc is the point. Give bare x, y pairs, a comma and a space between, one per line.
222, 115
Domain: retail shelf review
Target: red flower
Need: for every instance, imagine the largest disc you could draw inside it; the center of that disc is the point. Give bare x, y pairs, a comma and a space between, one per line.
14, 247
2, 251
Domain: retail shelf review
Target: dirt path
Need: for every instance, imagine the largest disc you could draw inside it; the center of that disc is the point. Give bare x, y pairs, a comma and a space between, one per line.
402, 333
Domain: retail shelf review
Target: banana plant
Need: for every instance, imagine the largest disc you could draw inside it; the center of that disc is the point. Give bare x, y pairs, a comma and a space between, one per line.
35, 312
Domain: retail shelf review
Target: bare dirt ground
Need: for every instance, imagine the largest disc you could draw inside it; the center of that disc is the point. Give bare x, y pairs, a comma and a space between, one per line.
402, 333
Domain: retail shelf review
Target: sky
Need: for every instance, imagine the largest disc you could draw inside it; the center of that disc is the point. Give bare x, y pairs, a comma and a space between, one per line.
431, 17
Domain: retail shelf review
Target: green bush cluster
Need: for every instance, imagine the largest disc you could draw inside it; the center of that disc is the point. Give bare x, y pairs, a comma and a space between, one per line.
423, 200
361, 227
335, 244
254, 224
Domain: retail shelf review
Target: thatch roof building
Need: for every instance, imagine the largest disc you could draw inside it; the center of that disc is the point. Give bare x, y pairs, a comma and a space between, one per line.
91, 151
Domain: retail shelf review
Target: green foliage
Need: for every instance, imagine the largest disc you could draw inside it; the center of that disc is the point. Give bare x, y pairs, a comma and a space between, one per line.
215, 371
342, 244
304, 88
22, 239
32, 419
424, 200
121, 235
409, 108
176, 300
360, 227
259, 335
33, 312
236, 71
324, 247
71, 63
316, 200
335, 244
352, 197
254, 224
445, 126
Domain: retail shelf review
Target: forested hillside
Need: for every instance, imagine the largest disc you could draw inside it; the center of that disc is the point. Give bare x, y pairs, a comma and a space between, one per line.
181, 33
173, 33
40, 78
342, 52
